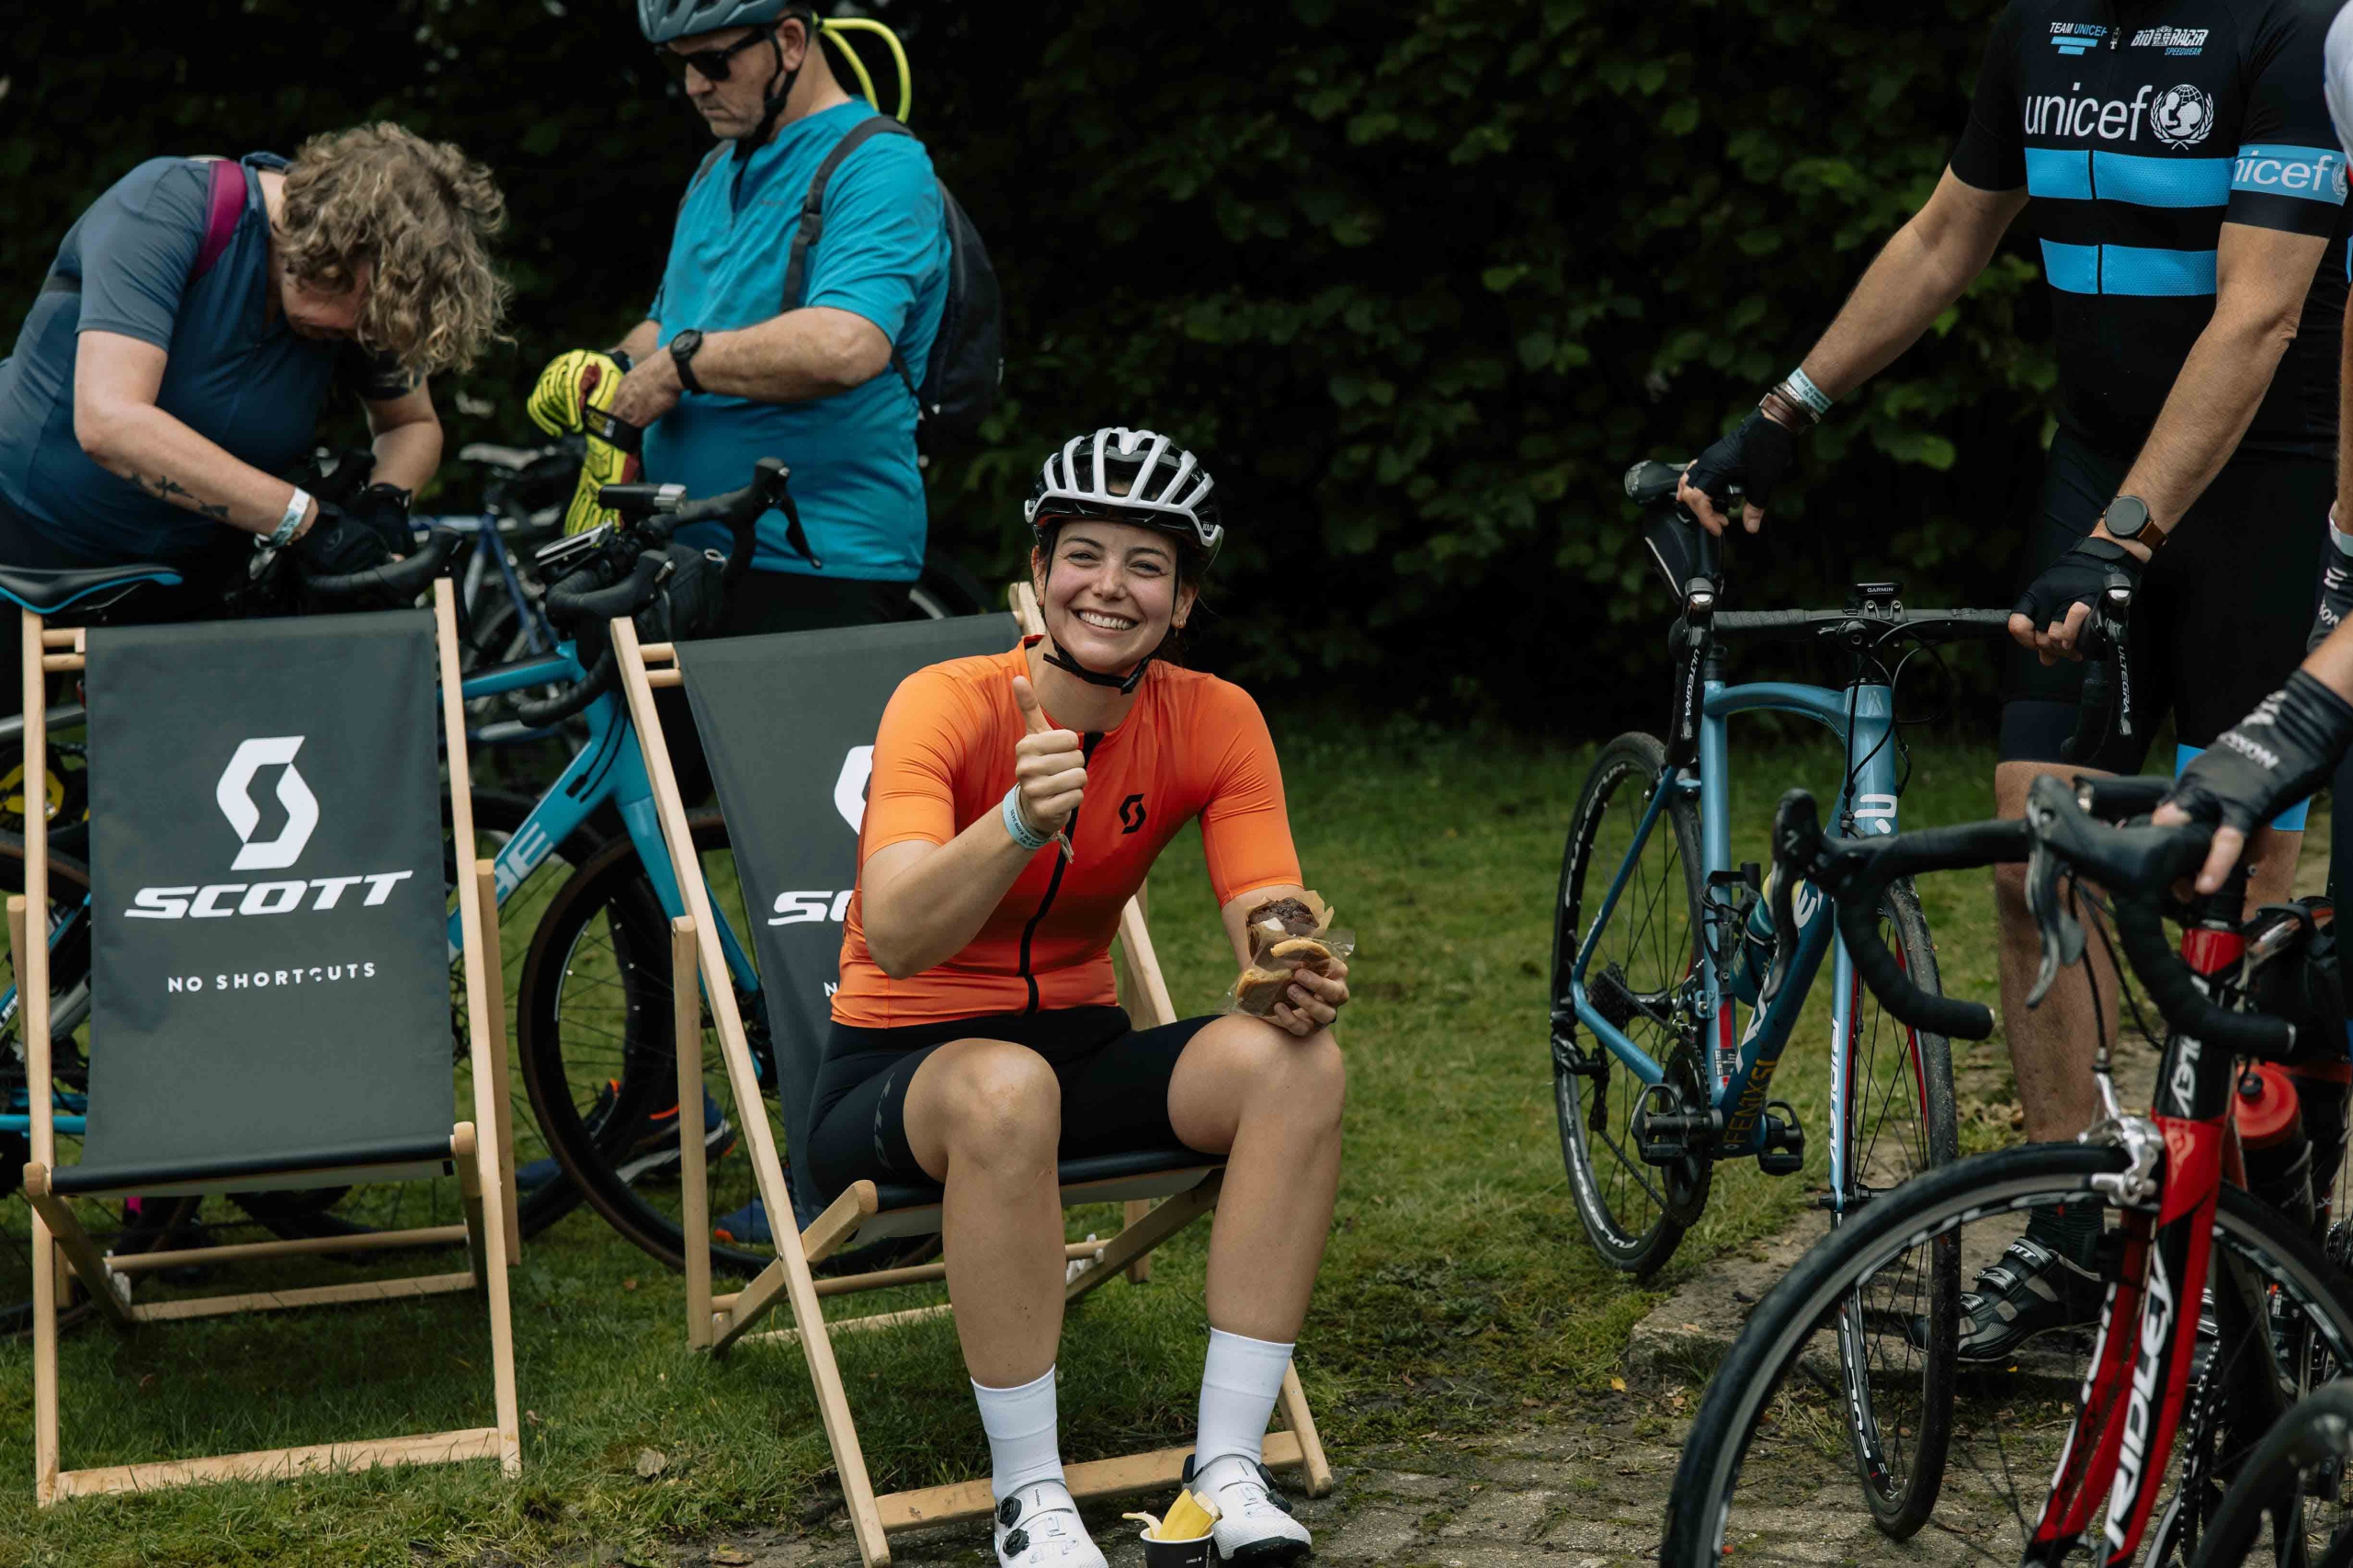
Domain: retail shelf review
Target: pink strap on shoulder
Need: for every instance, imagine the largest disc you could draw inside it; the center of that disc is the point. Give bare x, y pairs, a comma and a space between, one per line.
224, 205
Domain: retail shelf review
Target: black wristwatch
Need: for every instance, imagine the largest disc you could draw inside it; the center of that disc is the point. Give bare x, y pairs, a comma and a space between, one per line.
2128, 518
683, 349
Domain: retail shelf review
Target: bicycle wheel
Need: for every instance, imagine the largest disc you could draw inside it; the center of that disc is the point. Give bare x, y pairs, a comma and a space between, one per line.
2289, 1504
1644, 972
542, 1194
143, 1224
593, 1040
1764, 1437
1896, 1121
946, 589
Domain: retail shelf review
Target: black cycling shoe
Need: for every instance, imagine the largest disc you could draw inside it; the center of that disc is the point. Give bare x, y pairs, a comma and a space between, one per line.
2029, 1290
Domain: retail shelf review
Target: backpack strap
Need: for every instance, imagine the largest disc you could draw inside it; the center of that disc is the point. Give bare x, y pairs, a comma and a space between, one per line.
812, 206
224, 207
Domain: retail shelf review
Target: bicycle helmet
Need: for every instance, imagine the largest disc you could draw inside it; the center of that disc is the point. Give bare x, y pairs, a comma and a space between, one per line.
1137, 477
663, 20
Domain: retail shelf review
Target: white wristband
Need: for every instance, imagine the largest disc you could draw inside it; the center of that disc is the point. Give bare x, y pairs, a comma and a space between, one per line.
1800, 386
297, 506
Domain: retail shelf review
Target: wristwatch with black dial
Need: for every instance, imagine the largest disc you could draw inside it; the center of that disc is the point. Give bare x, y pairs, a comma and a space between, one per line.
2127, 518
683, 349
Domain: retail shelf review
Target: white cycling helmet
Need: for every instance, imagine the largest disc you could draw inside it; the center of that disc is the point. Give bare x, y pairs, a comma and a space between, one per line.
1138, 477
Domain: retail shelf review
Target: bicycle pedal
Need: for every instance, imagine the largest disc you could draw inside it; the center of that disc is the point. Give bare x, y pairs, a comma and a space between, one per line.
1784, 1150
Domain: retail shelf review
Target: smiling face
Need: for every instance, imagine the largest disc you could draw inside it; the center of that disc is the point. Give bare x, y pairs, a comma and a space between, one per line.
1110, 592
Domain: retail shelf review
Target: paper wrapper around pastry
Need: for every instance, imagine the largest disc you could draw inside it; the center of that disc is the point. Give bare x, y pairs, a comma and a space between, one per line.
1285, 934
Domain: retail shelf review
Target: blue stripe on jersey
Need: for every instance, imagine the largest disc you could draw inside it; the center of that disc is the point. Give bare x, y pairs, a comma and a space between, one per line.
2059, 175
2127, 269
2161, 182
2065, 175
2315, 174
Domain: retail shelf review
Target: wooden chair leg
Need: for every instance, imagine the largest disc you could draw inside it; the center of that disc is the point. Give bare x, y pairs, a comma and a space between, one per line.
463, 1154
1162, 1221
89, 1263
694, 1177
1301, 1421
493, 994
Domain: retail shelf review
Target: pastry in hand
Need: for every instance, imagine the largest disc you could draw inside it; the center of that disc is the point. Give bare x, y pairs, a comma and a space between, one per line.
1279, 919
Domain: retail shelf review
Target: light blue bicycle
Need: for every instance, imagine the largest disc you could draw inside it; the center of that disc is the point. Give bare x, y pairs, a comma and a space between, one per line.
1679, 978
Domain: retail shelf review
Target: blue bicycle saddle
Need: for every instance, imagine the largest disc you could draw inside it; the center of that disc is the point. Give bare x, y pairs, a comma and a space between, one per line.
47, 591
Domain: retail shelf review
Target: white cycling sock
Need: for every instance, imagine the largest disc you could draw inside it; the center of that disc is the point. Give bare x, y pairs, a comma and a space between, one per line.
1240, 1380
1023, 1449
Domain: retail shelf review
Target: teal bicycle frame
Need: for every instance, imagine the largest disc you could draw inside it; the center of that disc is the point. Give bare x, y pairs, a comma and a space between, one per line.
1742, 1061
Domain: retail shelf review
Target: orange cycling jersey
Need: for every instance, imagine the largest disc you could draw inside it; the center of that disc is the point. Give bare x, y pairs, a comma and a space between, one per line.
1192, 746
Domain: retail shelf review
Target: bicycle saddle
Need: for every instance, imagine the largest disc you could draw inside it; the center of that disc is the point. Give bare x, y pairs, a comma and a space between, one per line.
47, 591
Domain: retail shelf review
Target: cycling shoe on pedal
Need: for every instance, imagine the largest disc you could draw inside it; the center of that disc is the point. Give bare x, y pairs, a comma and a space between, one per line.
656, 1152
747, 1227
2029, 1290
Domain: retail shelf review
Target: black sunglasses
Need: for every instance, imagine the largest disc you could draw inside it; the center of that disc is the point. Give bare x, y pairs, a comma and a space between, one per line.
712, 65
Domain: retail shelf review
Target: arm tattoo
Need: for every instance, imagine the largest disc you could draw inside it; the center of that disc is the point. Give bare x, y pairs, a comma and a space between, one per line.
163, 487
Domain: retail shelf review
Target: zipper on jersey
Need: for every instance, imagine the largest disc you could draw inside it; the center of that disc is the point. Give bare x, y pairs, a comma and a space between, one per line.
1087, 745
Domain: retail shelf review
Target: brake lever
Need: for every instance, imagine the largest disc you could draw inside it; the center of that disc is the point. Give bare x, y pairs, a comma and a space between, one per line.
2062, 934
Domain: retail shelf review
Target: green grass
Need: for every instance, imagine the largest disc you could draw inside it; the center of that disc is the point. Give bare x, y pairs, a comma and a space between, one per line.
1459, 1283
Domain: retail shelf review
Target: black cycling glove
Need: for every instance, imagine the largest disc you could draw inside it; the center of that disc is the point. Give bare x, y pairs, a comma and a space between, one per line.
382, 510
336, 544
1755, 456
2335, 593
2270, 759
2080, 576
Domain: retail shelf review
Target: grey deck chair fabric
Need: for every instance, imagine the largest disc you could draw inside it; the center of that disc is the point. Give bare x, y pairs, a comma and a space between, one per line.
270, 979
787, 726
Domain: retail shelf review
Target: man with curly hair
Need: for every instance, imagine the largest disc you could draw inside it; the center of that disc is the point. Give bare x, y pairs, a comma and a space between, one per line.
199, 315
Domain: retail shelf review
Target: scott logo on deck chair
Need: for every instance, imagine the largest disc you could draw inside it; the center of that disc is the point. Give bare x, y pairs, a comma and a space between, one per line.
234, 794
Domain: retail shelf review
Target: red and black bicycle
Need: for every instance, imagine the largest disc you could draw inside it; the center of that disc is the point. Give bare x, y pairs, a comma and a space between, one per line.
2112, 1442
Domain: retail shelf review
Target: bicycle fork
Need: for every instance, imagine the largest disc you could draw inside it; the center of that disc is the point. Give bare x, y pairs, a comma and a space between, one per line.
2131, 1409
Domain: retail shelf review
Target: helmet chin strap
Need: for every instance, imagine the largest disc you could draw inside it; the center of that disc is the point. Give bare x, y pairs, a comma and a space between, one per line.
1125, 684
774, 102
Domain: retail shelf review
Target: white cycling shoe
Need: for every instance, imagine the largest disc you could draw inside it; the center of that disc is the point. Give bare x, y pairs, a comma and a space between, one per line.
1038, 1527
1253, 1525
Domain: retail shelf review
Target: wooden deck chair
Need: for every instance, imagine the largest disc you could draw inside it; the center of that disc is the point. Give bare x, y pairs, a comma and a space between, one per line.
269, 978
787, 724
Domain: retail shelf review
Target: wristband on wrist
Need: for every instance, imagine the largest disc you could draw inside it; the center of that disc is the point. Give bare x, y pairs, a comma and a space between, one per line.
1784, 410
1017, 824
2338, 536
297, 506
1800, 385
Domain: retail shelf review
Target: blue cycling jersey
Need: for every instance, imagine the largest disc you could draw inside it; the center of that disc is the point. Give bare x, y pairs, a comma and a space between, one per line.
2138, 131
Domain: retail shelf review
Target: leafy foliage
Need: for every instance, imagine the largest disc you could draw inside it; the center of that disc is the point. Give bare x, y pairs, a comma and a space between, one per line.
1421, 279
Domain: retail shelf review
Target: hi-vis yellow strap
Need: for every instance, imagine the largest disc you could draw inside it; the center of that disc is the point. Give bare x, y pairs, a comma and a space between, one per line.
835, 28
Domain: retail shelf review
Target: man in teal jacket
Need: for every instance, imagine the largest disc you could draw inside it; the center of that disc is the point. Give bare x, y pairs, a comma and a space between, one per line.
724, 370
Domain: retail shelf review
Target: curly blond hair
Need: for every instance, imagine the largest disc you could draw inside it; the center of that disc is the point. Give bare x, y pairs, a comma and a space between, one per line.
420, 213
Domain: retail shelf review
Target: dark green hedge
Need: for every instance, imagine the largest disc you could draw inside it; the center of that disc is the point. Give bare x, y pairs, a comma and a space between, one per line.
1423, 279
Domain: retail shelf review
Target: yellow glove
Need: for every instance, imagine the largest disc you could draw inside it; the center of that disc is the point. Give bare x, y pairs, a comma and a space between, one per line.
572, 386
604, 464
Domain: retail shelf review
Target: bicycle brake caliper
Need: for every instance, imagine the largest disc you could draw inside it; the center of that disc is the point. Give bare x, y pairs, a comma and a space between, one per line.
2134, 1186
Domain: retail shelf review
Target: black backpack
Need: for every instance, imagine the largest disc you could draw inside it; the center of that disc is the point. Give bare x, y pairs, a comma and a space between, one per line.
959, 382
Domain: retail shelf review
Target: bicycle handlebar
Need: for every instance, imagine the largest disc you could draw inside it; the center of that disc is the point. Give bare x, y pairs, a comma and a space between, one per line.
404, 578
2136, 863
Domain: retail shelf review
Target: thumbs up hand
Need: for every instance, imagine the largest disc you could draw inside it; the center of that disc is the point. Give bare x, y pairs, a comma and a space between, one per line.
1048, 767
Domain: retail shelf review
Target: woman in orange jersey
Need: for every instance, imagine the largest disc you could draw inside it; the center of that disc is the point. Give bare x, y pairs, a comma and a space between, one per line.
1016, 803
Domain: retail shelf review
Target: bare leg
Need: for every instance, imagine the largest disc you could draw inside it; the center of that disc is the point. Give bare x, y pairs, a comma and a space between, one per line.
2052, 1046
983, 1118
1271, 1102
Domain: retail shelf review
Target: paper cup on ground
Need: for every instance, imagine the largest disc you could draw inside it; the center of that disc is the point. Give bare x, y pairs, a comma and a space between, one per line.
1193, 1553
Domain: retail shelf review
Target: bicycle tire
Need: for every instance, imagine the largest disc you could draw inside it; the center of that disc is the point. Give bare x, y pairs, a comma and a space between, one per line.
945, 590
2315, 1440
325, 1212
1631, 1222
1901, 1479
1931, 1210
602, 1094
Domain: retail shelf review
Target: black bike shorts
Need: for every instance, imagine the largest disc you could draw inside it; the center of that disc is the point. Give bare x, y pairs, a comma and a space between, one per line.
1114, 1080
2221, 615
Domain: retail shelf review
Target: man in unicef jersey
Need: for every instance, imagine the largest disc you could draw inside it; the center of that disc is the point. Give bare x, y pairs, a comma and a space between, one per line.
2189, 198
